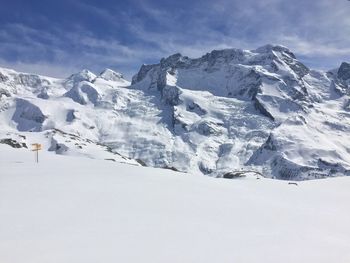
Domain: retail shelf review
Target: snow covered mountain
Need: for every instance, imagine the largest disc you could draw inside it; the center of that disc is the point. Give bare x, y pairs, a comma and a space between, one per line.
228, 111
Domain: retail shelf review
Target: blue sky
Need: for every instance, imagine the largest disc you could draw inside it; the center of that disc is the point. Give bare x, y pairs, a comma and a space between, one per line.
57, 38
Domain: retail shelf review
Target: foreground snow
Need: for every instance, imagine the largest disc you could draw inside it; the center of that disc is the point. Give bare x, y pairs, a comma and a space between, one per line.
74, 209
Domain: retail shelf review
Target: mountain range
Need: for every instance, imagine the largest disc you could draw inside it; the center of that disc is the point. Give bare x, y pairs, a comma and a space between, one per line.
226, 113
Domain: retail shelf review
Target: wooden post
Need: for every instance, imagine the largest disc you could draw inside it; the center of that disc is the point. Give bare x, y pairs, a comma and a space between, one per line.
36, 148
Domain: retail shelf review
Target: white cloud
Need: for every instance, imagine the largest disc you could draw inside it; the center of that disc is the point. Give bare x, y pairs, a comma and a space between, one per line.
89, 52
308, 48
318, 30
43, 68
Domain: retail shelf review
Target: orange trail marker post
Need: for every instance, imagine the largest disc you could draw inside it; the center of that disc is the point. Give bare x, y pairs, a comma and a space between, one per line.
36, 148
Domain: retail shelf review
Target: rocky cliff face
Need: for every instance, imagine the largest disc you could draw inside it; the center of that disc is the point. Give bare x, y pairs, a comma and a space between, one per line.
269, 76
228, 110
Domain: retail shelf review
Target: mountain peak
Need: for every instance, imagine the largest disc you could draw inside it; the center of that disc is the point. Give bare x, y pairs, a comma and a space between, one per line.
109, 74
344, 71
270, 47
173, 59
83, 75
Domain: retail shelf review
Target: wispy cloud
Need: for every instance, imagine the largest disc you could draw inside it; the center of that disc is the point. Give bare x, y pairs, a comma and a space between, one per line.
63, 52
124, 36
309, 48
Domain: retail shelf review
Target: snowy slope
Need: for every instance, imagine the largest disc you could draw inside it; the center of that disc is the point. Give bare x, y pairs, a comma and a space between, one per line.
72, 209
227, 111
